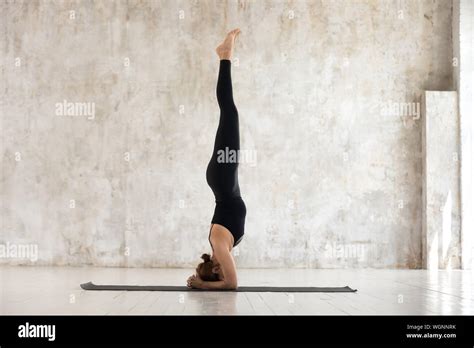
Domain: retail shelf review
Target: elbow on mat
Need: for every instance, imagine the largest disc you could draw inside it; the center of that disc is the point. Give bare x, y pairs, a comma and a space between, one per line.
231, 286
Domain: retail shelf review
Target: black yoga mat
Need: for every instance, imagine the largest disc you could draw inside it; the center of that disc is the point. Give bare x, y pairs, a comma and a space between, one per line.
92, 286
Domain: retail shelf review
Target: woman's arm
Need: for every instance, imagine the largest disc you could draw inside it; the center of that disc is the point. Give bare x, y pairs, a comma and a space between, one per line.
227, 265
197, 283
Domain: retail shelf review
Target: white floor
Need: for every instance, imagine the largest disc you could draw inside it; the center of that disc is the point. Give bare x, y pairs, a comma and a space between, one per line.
55, 290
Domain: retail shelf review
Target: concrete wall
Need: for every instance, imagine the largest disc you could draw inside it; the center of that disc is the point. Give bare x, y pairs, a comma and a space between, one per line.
463, 67
441, 223
329, 97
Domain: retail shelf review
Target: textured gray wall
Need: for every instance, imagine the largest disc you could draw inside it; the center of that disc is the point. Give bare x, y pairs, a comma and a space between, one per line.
441, 222
328, 93
463, 55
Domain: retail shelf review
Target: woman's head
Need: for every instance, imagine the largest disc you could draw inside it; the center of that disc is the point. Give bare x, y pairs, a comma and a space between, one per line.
208, 270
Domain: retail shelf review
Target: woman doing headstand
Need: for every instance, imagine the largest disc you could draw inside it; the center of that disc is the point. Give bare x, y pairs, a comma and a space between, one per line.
227, 226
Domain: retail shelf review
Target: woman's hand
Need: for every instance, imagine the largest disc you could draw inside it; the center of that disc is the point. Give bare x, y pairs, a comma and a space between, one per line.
194, 282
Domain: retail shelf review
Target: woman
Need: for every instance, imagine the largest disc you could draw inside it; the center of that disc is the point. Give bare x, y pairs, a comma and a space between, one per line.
227, 226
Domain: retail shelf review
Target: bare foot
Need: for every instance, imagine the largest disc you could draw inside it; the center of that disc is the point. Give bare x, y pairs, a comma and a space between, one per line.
226, 48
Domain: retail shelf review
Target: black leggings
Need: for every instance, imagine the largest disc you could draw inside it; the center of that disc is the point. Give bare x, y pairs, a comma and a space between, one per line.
222, 171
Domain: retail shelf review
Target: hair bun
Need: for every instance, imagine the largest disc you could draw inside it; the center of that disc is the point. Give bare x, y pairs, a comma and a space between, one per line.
206, 257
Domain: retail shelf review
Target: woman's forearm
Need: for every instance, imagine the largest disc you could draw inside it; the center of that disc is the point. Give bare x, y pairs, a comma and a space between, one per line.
218, 285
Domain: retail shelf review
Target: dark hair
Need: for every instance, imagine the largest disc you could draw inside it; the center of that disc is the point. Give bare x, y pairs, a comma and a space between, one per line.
204, 269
